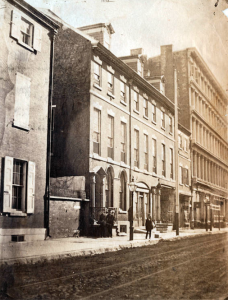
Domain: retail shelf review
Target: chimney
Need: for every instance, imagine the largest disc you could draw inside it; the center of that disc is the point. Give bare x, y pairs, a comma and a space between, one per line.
167, 70
102, 32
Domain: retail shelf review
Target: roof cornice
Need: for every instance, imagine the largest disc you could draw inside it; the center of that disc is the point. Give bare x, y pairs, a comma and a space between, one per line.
129, 72
195, 53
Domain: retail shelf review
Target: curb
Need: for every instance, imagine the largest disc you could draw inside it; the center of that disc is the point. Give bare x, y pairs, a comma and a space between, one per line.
91, 251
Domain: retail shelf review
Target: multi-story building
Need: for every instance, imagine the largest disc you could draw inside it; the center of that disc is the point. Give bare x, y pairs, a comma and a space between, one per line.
202, 110
26, 39
111, 125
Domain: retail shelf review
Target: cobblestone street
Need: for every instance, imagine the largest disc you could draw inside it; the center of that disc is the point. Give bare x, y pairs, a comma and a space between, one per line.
190, 268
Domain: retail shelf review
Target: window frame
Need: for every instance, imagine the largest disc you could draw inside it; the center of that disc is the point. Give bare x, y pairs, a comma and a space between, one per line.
123, 141
171, 164
136, 101
146, 149
123, 91
154, 155
97, 133
162, 119
110, 136
136, 148
97, 75
110, 82
153, 113
145, 107
163, 159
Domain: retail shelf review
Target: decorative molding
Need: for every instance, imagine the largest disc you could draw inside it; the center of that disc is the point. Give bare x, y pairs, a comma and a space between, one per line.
124, 120
111, 95
97, 105
111, 112
136, 127
162, 142
154, 136
145, 96
135, 89
145, 132
110, 69
162, 109
122, 78
97, 60
154, 102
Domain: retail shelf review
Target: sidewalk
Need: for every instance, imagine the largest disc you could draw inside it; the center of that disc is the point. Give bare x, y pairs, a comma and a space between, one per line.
31, 252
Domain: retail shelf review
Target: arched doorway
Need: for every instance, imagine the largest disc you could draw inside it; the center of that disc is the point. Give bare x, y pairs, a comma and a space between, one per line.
123, 191
109, 188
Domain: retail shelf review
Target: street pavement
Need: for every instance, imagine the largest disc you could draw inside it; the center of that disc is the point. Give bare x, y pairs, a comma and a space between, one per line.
38, 251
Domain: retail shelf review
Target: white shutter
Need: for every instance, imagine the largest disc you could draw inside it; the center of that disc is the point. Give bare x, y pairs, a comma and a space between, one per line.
16, 24
37, 38
22, 101
31, 187
8, 182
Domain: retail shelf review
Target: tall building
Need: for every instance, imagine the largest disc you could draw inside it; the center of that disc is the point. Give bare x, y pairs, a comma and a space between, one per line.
203, 111
111, 125
26, 39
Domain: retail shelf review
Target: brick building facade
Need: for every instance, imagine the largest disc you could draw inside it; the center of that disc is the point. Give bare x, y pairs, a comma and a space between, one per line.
26, 39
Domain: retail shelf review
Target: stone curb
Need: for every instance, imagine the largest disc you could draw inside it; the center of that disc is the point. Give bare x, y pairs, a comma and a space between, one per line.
89, 252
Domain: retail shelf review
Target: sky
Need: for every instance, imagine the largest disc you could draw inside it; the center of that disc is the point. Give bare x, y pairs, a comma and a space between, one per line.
148, 24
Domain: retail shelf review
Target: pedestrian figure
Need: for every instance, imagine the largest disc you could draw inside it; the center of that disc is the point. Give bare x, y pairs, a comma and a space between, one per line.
149, 226
102, 222
110, 222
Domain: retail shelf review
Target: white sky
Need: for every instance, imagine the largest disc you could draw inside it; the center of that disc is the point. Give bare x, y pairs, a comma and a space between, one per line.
152, 23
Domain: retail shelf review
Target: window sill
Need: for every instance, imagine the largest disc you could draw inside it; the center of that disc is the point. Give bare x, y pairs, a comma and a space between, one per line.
97, 86
181, 184
22, 127
154, 122
171, 133
136, 111
163, 128
18, 214
111, 95
136, 169
123, 102
145, 117
25, 46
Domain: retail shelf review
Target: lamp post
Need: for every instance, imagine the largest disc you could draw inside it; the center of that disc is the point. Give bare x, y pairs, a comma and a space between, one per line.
207, 202
132, 188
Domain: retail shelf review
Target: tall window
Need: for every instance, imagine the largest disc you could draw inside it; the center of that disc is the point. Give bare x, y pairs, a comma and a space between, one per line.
162, 119
110, 82
181, 174
163, 160
123, 91
146, 152
97, 73
171, 163
110, 136
136, 101
170, 124
96, 130
145, 107
180, 141
123, 188
136, 148
154, 155
153, 113
26, 32
18, 184
123, 142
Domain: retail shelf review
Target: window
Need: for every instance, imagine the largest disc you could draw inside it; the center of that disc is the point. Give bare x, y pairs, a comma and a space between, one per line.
25, 32
123, 142
153, 113
136, 101
162, 119
123, 189
181, 174
185, 176
170, 124
145, 107
154, 155
96, 130
146, 152
171, 163
110, 136
19, 186
97, 73
136, 148
22, 101
110, 82
185, 145
180, 141
123, 91
163, 160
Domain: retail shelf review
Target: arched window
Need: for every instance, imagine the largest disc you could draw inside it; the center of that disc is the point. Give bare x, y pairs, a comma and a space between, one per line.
123, 186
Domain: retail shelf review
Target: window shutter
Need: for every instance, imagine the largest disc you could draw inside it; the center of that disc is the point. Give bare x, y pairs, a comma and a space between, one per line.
22, 101
37, 38
31, 187
8, 182
16, 24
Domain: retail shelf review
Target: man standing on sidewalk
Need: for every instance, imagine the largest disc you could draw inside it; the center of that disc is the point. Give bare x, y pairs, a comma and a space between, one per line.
110, 222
